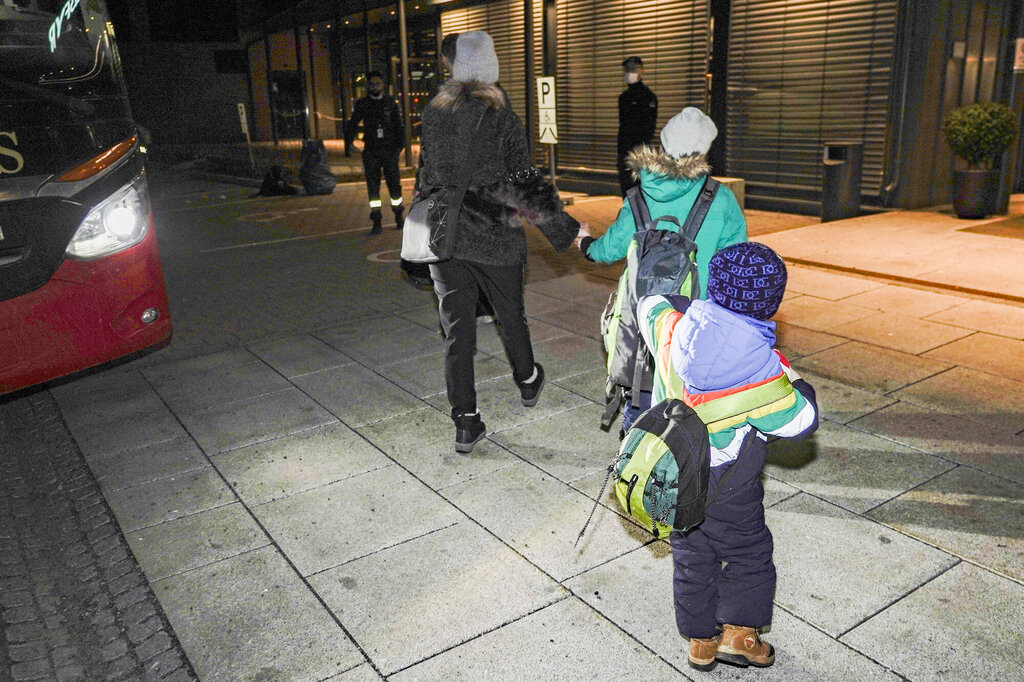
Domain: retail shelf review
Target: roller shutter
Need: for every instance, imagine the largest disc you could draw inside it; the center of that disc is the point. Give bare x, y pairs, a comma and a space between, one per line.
594, 36
802, 73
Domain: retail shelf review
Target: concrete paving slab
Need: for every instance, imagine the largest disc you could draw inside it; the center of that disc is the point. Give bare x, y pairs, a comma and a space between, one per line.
590, 384
299, 354
424, 376
881, 370
423, 597
93, 398
251, 618
581, 318
1001, 319
360, 673
424, 443
956, 627
913, 245
991, 400
114, 412
566, 639
825, 283
802, 652
328, 526
541, 517
340, 335
901, 333
903, 300
850, 468
206, 381
950, 437
169, 498
568, 356
398, 339
812, 312
776, 491
501, 406
126, 468
841, 403
544, 443
836, 569
427, 317
537, 302
985, 352
1000, 272
357, 395
253, 420
190, 542
576, 287
796, 342
278, 468
967, 513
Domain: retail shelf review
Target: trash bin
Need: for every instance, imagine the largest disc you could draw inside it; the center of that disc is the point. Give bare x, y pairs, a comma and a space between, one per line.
840, 193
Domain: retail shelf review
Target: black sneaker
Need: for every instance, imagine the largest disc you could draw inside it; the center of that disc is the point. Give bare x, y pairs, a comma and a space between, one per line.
530, 391
469, 430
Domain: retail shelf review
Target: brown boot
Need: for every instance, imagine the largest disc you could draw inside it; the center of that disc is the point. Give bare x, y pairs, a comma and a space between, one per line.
742, 646
702, 652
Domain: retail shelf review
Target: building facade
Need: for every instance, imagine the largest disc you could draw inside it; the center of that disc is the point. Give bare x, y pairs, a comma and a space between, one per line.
781, 78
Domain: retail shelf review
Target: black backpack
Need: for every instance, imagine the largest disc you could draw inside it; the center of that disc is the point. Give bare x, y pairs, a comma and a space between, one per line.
659, 261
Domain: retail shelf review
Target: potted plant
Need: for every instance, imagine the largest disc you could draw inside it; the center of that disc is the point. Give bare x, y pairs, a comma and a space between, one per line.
979, 134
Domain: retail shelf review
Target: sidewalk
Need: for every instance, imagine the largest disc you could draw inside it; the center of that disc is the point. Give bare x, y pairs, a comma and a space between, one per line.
284, 471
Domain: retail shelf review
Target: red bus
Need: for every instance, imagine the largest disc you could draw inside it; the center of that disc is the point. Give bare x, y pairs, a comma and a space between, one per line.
80, 277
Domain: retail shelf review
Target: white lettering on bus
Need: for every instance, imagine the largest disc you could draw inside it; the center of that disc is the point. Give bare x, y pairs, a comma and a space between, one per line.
58, 22
19, 160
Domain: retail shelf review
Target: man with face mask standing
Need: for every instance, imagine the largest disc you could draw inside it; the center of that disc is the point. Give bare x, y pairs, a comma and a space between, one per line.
638, 114
383, 141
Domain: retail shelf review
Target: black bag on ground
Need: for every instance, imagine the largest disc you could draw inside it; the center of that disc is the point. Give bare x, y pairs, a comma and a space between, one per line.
315, 168
274, 184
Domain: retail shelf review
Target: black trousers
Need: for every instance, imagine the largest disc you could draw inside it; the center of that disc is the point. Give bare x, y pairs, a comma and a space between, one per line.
458, 284
377, 161
723, 568
625, 175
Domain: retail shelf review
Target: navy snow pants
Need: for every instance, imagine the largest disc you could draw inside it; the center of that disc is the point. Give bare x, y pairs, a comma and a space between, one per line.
723, 568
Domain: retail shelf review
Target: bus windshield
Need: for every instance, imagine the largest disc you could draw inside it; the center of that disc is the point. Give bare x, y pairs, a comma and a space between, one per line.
62, 100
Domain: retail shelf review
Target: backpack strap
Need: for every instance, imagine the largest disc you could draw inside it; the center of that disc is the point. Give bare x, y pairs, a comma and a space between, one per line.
732, 469
700, 208
641, 216
741, 402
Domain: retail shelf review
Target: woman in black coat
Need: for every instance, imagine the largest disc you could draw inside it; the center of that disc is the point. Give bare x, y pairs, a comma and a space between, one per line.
490, 247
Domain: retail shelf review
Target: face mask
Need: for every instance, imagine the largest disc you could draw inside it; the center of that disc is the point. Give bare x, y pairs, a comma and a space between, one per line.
632, 77
374, 92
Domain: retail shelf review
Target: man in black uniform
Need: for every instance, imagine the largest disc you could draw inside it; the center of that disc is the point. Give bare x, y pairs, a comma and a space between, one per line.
383, 141
638, 113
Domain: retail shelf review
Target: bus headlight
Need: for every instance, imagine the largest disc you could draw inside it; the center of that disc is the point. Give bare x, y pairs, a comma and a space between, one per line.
119, 222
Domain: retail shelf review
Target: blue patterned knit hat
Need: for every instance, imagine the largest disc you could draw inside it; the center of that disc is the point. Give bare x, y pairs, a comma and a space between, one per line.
747, 278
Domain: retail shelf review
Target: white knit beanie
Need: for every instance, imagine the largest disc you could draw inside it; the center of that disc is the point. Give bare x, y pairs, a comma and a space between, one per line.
475, 59
690, 131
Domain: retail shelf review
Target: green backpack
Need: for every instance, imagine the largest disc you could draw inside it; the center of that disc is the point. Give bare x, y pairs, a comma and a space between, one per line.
658, 261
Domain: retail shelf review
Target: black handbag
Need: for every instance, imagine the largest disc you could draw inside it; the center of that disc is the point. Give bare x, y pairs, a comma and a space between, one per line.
428, 235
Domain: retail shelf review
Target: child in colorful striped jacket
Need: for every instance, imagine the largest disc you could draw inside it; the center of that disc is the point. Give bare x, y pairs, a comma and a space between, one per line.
717, 357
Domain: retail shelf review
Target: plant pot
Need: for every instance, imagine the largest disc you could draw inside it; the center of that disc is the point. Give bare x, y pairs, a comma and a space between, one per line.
974, 192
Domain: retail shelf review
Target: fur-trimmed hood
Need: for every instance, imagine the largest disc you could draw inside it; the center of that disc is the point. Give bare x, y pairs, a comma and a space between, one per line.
646, 157
448, 95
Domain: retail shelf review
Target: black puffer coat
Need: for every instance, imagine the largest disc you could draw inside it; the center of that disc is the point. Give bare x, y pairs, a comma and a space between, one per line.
504, 188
